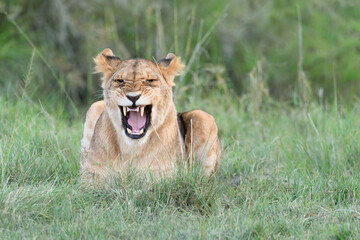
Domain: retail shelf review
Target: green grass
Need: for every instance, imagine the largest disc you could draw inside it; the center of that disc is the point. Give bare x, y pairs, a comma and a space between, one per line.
289, 126
289, 173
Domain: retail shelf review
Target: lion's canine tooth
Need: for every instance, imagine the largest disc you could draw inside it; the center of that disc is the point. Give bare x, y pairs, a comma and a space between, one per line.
124, 110
142, 111
128, 130
141, 131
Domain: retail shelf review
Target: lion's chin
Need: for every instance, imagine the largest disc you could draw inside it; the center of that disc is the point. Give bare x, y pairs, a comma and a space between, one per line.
136, 120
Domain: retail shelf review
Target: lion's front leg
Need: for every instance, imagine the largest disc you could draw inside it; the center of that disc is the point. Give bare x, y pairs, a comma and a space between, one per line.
201, 139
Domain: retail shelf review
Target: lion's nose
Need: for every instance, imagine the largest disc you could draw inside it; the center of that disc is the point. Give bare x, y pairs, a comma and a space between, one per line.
133, 98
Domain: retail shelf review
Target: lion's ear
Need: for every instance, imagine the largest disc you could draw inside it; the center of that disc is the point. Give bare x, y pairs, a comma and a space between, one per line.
171, 66
106, 62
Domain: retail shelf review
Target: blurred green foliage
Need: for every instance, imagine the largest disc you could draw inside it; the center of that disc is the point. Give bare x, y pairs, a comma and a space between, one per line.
221, 41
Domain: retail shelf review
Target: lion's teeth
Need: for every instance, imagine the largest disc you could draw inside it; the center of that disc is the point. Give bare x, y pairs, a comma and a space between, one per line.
141, 131
141, 111
137, 109
128, 130
124, 110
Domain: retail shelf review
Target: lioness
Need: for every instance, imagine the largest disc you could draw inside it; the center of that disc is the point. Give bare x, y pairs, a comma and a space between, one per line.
137, 126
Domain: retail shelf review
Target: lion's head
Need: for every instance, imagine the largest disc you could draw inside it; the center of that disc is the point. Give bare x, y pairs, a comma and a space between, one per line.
137, 92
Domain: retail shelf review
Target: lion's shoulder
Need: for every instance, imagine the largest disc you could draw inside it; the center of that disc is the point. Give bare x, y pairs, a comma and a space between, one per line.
92, 116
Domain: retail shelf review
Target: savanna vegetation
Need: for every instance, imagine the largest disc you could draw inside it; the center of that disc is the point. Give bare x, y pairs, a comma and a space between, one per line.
280, 77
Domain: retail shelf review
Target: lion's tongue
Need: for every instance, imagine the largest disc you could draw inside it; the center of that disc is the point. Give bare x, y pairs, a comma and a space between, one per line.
136, 121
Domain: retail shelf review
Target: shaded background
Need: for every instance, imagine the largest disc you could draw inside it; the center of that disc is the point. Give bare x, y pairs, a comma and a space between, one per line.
297, 50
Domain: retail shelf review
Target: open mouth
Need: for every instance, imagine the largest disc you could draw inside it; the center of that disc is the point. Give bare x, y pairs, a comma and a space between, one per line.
136, 120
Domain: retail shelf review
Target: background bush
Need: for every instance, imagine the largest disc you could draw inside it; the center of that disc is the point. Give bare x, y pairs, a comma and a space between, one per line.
223, 41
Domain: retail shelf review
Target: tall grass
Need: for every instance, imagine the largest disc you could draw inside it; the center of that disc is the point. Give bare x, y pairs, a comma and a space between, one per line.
283, 175
289, 169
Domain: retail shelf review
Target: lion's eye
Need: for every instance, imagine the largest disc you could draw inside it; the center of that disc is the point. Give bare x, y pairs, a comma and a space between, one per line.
150, 80
119, 80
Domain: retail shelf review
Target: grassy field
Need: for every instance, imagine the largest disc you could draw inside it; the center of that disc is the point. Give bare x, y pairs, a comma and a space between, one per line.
280, 78
288, 173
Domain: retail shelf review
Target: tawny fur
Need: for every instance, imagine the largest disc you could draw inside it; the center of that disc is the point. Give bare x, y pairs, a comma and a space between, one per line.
105, 147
